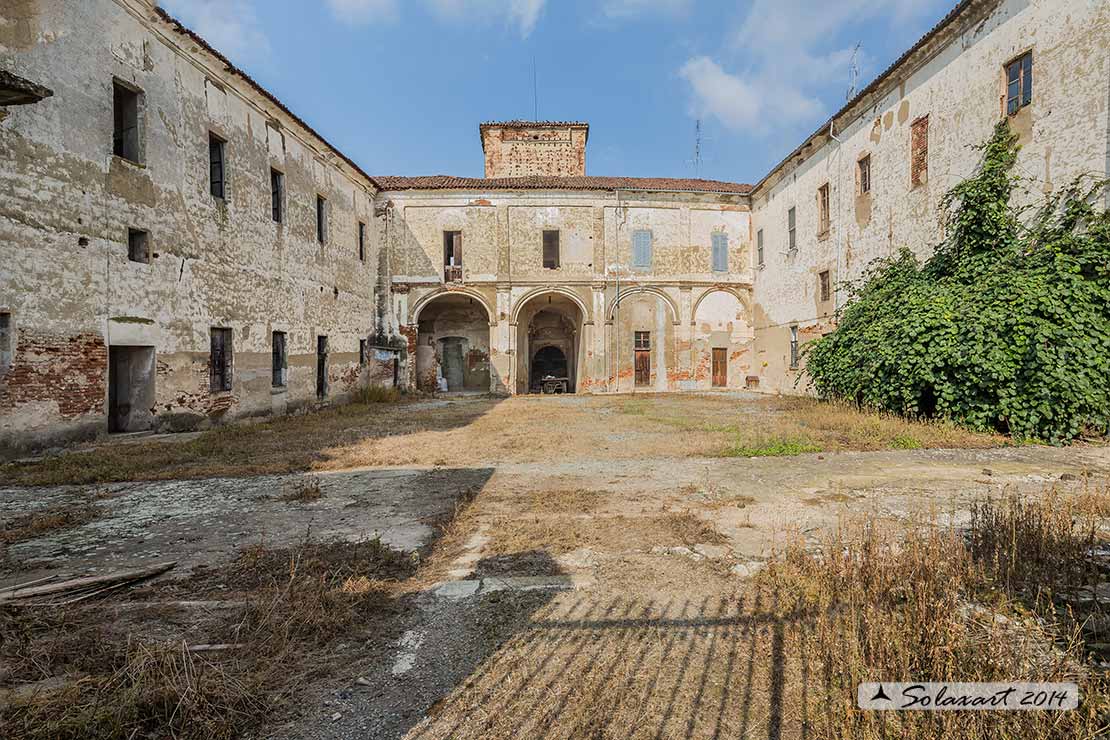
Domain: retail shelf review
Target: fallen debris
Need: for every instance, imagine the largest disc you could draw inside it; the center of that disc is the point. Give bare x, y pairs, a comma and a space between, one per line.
78, 589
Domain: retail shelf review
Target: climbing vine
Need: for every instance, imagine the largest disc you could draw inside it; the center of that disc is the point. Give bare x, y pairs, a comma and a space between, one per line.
1005, 327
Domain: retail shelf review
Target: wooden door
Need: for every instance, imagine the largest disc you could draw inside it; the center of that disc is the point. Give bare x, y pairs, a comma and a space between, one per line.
643, 368
720, 367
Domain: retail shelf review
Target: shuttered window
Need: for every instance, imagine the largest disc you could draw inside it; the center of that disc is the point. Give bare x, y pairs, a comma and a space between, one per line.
759, 247
641, 249
1019, 83
216, 166
720, 252
219, 363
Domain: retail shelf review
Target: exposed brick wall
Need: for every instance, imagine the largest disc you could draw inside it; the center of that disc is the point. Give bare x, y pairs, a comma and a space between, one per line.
542, 150
69, 370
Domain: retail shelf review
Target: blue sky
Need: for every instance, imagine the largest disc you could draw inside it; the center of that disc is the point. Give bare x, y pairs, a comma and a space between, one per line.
401, 85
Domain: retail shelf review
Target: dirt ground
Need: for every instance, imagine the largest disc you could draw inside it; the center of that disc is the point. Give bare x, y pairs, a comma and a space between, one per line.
583, 561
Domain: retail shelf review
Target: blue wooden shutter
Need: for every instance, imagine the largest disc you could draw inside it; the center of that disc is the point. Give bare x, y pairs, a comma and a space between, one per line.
641, 248
720, 253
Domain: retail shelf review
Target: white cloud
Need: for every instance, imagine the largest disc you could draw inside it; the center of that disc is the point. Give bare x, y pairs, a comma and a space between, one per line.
523, 14
230, 26
637, 8
782, 65
358, 12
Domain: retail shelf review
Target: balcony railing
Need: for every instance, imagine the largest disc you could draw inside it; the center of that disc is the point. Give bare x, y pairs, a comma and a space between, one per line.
452, 274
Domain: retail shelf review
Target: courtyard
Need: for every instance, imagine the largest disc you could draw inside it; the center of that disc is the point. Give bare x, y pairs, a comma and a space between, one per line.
558, 566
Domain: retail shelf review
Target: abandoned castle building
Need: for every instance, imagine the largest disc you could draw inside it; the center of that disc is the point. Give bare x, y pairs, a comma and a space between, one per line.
178, 249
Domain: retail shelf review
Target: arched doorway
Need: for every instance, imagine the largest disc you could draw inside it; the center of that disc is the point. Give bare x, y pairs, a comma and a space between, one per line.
452, 345
548, 362
549, 341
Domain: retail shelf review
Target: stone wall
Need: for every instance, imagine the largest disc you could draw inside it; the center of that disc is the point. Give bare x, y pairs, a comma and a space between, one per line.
67, 205
957, 80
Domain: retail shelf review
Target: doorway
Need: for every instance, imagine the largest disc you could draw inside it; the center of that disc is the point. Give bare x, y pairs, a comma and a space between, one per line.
549, 362
130, 389
643, 359
451, 357
720, 367
321, 367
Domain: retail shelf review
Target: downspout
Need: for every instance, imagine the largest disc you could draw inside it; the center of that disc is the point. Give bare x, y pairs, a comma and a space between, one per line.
839, 230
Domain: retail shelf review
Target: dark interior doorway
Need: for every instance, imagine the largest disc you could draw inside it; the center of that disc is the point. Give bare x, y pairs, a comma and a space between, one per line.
321, 367
548, 362
130, 389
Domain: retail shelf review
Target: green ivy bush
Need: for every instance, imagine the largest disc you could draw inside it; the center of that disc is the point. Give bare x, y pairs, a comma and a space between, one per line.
1006, 327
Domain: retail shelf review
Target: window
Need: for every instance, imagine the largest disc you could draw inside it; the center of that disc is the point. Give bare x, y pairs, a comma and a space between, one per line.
321, 219
551, 250
452, 256
759, 247
361, 241
793, 348
1019, 83
825, 286
919, 151
823, 209
277, 195
641, 249
125, 114
791, 229
216, 168
138, 245
363, 352
280, 362
219, 362
643, 340
720, 252
864, 174
5, 341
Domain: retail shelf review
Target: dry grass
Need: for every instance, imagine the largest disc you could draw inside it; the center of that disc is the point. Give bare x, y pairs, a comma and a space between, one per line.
521, 429
40, 523
783, 657
304, 491
78, 673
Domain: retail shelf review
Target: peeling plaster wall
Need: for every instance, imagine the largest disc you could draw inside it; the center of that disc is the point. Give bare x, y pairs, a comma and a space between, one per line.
503, 266
959, 84
66, 205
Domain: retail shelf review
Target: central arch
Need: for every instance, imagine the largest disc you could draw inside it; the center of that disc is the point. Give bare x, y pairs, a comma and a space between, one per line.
548, 324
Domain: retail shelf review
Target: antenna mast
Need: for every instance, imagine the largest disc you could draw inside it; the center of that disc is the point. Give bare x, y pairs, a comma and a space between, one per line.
535, 91
853, 71
697, 148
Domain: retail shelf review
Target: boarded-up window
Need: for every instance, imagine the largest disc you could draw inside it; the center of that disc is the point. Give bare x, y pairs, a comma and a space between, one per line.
361, 241
277, 195
551, 250
641, 249
864, 174
217, 170
823, 209
138, 245
759, 247
792, 229
321, 219
793, 348
720, 252
1019, 83
125, 115
280, 360
919, 151
824, 285
219, 362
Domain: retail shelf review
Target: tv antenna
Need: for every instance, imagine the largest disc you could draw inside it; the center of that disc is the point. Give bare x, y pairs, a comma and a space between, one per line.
535, 91
853, 71
699, 142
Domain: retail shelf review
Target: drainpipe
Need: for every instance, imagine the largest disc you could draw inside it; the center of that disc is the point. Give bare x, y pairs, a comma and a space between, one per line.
839, 230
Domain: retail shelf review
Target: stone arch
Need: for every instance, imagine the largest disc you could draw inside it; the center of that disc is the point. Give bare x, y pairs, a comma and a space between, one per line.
587, 317
739, 295
628, 292
423, 302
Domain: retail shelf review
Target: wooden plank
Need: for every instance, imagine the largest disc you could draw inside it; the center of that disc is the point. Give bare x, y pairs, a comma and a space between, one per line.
76, 584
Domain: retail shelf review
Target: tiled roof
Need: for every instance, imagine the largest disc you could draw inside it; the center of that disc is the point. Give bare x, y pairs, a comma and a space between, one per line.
533, 124
661, 184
